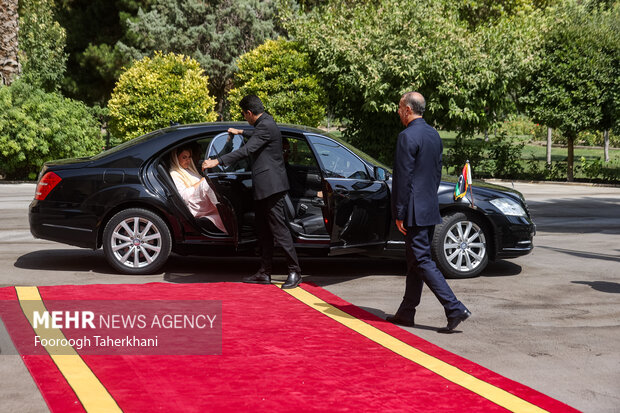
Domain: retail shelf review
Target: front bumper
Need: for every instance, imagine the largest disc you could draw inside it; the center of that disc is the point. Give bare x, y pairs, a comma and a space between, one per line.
514, 236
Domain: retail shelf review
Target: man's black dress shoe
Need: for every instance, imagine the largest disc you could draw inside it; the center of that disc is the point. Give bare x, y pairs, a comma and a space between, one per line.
453, 322
293, 280
396, 319
258, 278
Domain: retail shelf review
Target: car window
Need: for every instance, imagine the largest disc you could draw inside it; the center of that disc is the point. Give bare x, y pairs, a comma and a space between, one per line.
338, 162
297, 153
127, 144
223, 144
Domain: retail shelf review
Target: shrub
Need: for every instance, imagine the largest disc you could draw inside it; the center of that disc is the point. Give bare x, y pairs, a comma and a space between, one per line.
280, 73
591, 168
36, 127
465, 149
595, 138
157, 91
505, 155
520, 125
498, 158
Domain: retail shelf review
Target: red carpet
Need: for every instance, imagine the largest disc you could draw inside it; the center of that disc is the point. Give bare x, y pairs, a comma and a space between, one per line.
278, 354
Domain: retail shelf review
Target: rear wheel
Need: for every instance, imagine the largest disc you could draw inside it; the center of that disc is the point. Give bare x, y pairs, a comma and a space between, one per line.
459, 246
136, 241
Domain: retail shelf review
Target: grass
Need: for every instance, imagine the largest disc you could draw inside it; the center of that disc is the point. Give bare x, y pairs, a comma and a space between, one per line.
537, 152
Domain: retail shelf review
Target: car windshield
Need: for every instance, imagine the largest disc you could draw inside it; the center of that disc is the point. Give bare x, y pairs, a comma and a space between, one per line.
127, 144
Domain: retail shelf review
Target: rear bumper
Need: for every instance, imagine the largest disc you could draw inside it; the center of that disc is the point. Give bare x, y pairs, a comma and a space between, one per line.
60, 225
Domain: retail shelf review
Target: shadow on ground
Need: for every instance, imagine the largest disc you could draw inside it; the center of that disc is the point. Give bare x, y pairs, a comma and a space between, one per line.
65, 260
602, 286
584, 254
196, 269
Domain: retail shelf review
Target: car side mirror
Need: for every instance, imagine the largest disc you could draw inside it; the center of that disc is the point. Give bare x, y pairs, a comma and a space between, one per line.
381, 174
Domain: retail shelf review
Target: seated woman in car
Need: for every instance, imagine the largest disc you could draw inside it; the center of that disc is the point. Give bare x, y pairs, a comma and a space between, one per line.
194, 189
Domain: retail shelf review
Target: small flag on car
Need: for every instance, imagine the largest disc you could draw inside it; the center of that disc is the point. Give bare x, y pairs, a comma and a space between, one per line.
464, 183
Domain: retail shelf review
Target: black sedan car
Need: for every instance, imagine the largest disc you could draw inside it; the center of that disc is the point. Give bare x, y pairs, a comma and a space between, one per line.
125, 201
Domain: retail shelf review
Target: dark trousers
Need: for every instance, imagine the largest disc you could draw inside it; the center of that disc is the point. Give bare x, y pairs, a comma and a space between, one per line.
271, 225
422, 269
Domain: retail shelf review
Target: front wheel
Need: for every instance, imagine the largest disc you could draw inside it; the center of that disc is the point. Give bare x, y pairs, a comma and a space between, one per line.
459, 246
136, 241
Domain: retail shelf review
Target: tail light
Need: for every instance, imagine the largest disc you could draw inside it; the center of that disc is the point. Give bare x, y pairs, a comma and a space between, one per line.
46, 184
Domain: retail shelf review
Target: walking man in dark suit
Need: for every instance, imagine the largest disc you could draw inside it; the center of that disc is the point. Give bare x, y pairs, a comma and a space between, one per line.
264, 147
415, 207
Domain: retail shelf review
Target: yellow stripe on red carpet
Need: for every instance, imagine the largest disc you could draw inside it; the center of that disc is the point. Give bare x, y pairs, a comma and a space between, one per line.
279, 353
449, 372
87, 387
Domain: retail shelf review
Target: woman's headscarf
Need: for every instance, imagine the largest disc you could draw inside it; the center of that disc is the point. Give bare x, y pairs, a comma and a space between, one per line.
183, 174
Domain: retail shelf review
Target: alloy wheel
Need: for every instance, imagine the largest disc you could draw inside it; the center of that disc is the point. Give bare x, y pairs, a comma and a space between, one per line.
464, 246
136, 242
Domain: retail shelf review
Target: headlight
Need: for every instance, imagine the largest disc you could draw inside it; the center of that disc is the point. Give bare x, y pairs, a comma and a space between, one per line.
508, 207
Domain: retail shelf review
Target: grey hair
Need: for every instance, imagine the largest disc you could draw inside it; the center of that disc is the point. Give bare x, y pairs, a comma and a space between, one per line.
415, 101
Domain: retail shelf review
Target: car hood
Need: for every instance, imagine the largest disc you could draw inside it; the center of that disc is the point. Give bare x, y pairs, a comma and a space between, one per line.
480, 188
484, 188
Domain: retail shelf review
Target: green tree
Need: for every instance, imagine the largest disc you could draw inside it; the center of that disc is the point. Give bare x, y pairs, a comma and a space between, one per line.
575, 87
369, 53
93, 29
154, 92
214, 33
41, 44
36, 127
9, 27
280, 73
609, 32
489, 12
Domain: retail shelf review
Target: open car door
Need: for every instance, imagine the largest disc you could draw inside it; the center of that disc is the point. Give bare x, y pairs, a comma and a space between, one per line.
303, 206
357, 206
233, 188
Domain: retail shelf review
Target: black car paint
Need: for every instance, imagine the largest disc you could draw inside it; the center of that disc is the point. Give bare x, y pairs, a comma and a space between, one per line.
93, 189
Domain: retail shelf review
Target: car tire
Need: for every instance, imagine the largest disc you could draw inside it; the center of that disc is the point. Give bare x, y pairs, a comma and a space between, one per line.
460, 245
136, 241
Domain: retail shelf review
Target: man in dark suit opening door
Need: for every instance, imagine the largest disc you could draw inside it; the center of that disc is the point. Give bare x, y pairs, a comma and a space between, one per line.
415, 207
264, 148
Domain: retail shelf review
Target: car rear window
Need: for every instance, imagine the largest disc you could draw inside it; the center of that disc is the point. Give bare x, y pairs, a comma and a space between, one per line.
128, 144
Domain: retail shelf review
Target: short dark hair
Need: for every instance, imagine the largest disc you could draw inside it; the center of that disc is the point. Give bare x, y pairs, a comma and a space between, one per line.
415, 101
253, 104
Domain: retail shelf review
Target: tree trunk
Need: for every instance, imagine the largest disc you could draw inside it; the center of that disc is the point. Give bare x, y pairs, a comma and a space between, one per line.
571, 158
549, 130
606, 139
9, 63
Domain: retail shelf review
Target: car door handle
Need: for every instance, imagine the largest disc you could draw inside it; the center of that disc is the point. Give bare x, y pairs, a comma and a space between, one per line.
341, 190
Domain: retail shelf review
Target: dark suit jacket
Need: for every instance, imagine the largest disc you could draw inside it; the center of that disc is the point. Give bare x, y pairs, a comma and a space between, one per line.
417, 173
264, 147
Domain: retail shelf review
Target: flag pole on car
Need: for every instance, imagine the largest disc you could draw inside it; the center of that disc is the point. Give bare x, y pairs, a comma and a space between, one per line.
463, 184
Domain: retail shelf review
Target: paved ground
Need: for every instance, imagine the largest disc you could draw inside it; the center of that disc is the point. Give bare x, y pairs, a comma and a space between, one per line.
550, 320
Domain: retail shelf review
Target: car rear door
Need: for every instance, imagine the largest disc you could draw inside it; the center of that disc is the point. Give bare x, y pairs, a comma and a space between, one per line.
357, 207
